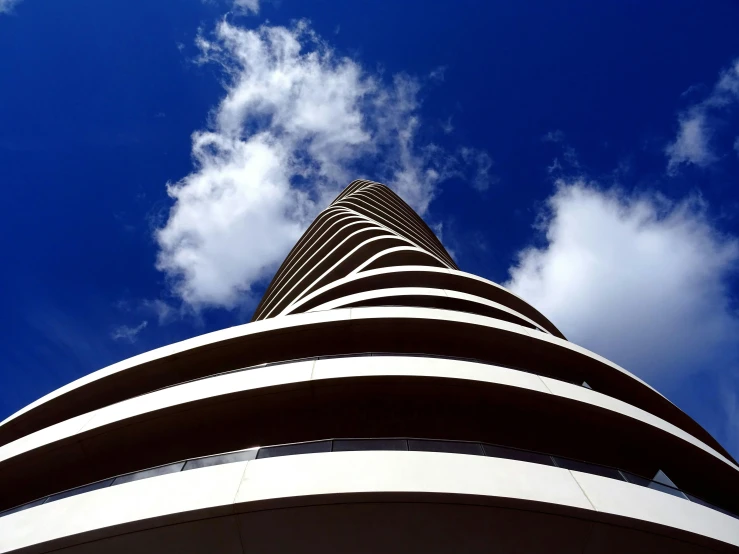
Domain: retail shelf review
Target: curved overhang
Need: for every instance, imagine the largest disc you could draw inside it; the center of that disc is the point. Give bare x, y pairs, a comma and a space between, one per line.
379, 203
353, 501
368, 205
331, 225
350, 256
348, 331
430, 298
341, 260
399, 256
400, 223
420, 276
311, 400
335, 236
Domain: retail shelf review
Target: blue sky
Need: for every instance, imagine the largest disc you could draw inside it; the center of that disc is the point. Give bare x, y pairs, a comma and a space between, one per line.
585, 154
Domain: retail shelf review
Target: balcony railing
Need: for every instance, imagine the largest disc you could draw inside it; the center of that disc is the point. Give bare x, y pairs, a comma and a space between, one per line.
386, 444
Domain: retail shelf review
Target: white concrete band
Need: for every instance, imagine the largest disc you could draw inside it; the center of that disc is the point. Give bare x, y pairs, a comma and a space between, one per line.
237, 488
305, 372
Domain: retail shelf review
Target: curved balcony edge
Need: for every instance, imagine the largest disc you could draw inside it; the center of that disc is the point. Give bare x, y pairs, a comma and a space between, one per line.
363, 325
90, 440
308, 482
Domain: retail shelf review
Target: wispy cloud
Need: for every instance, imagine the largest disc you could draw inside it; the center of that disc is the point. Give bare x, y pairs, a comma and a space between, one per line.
697, 125
555, 136
482, 163
692, 89
438, 74
567, 161
126, 333
298, 123
248, 6
160, 309
638, 279
6, 6
691, 146
447, 126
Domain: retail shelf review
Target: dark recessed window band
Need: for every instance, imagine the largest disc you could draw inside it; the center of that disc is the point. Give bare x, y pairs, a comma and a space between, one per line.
577, 382
384, 444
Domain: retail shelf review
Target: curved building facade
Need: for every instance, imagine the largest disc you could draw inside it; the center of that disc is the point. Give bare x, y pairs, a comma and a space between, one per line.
380, 400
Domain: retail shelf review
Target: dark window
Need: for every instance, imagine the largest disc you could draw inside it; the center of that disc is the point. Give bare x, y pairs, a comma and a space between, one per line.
229, 458
636, 479
446, 446
370, 444
153, 472
588, 468
708, 505
665, 488
513, 454
291, 449
80, 490
24, 507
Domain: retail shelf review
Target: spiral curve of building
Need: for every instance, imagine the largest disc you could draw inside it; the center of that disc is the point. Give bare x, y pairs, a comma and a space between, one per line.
381, 399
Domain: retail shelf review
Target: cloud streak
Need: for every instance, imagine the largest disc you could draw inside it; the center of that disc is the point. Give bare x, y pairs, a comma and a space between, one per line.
698, 125
126, 333
298, 122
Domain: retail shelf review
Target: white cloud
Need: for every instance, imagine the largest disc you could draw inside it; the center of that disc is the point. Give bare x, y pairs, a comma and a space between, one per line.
699, 123
6, 6
247, 5
638, 280
128, 334
297, 124
692, 142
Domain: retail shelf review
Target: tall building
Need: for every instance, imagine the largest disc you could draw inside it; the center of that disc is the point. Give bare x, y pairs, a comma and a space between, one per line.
381, 400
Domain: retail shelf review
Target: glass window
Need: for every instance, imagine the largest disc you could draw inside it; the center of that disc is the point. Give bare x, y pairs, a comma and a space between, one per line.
80, 490
662, 482
229, 458
291, 449
708, 505
24, 507
701, 502
370, 444
585, 467
514, 454
636, 479
665, 488
446, 446
153, 472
